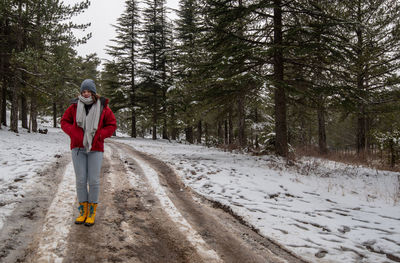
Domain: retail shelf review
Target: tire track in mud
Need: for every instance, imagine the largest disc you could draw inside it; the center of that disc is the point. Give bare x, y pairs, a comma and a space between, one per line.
130, 223
233, 241
180, 222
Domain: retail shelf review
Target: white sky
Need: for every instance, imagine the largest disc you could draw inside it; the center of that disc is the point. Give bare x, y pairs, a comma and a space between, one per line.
102, 14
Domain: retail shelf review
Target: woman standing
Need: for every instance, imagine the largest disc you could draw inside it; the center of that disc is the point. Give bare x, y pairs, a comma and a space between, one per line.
88, 121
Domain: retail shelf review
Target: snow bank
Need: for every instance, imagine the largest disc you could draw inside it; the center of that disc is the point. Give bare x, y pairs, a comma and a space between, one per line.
22, 157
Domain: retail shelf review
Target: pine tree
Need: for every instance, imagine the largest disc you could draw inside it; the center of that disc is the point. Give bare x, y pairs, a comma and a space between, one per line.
19, 45
311, 62
231, 68
154, 66
125, 54
30, 32
373, 62
110, 81
188, 50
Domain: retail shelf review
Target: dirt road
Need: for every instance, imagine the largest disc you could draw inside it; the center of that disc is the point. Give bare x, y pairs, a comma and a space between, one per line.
145, 214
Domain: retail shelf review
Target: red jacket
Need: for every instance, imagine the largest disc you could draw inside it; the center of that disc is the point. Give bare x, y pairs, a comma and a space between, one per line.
106, 128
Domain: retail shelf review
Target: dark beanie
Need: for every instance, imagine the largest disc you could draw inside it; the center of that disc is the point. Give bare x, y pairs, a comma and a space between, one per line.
88, 84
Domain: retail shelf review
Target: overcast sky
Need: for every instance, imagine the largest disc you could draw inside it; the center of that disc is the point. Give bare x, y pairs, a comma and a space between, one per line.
102, 14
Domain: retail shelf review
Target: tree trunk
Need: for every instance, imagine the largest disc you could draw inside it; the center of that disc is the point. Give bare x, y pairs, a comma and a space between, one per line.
226, 136
154, 132
133, 90
174, 133
164, 76
367, 134
219, 131
230, 122
303, 132
256, 144
174, 130
360, 85
164, 111
4, 104
1, 113
164, 115
37, 45
199, 132
61, 109
17, 74
2, 61
54, 114
24, 112
242, 121
165, 129
281, 145
189, 134
321, 130
34, 111
392, 153
133, 121
30, 123
206, 133
155, 110
14, 107
361, 121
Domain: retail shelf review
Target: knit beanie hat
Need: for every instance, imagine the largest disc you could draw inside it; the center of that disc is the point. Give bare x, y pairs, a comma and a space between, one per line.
89, 85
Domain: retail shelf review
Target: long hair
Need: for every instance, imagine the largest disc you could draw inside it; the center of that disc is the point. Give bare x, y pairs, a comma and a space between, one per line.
95, 97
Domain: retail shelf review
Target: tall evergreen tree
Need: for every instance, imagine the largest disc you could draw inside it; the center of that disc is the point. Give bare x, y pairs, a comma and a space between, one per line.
312, 61
188, 51
372, 50
232, 69
33, 28
125, 54
155, 53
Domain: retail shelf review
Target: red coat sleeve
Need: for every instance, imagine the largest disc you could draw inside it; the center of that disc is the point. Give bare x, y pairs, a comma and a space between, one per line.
109, 123
67, 120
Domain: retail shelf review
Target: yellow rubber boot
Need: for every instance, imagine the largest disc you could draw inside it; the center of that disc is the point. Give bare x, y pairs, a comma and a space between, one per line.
83, 209
91, 214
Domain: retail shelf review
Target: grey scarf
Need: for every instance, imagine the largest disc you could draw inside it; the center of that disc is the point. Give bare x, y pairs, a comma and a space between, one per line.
89, 122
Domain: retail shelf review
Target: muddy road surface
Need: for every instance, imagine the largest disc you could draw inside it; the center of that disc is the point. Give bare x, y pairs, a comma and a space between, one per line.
145, 214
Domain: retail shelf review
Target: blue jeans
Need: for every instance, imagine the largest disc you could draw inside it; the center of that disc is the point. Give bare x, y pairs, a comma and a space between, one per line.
87, 167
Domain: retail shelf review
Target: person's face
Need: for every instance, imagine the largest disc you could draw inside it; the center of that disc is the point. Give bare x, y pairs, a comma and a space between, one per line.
86, 93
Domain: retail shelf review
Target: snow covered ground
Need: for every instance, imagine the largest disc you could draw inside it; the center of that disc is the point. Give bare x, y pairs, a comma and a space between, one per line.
323, 211
22, 157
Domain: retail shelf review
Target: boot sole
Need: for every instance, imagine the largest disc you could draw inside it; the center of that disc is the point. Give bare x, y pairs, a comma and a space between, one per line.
86, 224
79, 223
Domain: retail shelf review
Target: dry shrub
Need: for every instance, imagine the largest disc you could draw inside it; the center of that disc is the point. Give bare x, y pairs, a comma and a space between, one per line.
349, 157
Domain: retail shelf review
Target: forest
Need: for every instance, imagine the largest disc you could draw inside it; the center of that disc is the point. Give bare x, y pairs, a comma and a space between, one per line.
289, 77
